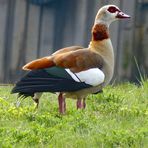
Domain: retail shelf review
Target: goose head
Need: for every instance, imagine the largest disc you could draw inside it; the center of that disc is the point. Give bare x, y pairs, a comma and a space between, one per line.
109, 13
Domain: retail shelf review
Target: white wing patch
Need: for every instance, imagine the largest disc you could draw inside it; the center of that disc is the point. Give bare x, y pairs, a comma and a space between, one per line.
93, 76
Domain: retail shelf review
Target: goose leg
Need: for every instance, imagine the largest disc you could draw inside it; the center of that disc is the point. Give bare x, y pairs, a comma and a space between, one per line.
84, 103
62, 103
81, 104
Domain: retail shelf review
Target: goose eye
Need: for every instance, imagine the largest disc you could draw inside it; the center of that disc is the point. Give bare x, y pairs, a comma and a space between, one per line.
112, 9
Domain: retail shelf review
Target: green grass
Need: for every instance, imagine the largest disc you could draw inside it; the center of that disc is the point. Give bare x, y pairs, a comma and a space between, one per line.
117, 118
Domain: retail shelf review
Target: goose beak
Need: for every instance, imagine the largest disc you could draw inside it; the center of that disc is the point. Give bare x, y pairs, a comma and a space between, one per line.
122, 15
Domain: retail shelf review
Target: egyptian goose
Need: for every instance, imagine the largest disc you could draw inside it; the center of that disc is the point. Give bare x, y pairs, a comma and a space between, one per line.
74, 72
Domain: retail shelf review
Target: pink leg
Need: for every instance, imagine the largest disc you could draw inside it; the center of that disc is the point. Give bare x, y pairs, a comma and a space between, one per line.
79, 104
62, 103
84, 104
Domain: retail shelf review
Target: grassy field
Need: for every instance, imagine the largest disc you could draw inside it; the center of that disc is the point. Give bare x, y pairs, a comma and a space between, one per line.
116, 118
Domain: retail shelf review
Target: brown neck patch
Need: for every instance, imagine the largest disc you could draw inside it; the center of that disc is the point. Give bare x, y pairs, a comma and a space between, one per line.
100, 32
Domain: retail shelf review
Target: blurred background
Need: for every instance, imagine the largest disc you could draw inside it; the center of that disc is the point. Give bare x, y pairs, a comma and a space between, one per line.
30, 29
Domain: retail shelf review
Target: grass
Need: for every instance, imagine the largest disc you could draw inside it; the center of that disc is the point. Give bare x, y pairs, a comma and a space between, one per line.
117, 118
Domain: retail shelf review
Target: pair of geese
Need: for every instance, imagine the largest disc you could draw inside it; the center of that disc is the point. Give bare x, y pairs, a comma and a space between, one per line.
74, 72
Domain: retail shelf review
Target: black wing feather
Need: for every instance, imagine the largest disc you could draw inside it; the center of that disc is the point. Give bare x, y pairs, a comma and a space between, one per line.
44, 81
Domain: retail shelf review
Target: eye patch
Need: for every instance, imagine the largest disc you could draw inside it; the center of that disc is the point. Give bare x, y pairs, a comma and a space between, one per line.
113, 9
